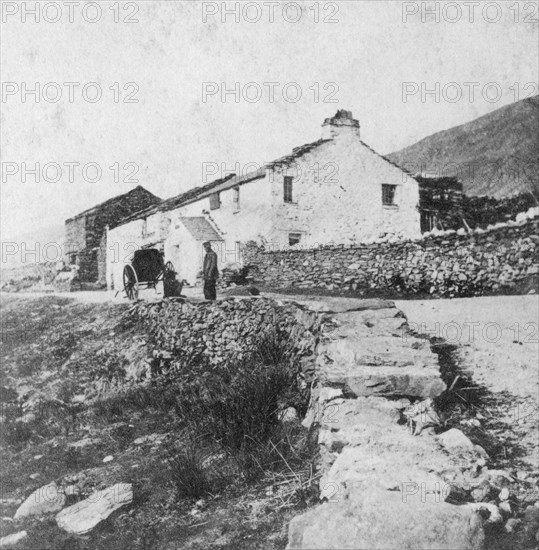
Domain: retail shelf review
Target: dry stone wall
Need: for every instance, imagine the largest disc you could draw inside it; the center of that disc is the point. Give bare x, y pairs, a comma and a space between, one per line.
216, 331
452, 264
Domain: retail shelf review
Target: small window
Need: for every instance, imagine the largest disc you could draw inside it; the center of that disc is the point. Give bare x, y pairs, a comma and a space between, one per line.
294, 238
215, 201
388, 194
288, 188
236, 198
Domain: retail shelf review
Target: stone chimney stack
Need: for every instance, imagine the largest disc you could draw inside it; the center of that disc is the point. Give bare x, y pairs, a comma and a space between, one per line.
342, 124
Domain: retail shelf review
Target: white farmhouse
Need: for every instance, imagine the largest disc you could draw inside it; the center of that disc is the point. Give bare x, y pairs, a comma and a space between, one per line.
336, 190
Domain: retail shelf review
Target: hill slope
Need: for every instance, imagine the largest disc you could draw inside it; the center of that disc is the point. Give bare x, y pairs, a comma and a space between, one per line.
35, 240
496, 154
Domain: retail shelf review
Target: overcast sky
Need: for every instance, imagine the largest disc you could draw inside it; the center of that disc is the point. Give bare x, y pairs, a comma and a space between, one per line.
357, 58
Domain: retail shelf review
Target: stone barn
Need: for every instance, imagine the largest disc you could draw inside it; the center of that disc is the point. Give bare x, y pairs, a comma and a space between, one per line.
85, 242
336, 190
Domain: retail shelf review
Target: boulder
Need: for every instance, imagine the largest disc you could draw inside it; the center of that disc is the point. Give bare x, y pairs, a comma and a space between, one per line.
83, 516
45, 500
381, 520
13, 540
455, 440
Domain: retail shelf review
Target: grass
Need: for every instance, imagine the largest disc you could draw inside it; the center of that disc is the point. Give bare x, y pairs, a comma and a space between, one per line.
225, 443
188, 474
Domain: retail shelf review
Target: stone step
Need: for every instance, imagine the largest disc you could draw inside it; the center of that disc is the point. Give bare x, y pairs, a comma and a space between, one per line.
420, 382
387, 321
383, 519
383, 351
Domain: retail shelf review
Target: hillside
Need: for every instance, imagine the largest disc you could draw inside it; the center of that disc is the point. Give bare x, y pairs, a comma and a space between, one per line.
32, 241
495, 155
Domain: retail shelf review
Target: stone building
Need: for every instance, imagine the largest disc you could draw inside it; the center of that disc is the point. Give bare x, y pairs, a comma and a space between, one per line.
85, 243
335, 190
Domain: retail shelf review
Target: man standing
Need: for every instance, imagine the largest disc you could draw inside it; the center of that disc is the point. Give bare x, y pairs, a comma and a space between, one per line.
210, 272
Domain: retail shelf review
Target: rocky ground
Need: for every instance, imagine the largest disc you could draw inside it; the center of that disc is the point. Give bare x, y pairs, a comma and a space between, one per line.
427, 466
106, 463
463, 475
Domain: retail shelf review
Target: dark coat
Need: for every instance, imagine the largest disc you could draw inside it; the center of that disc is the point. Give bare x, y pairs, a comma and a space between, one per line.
210, 270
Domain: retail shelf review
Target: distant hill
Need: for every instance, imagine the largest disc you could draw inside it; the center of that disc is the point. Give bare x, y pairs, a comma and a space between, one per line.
30, 241
495, 155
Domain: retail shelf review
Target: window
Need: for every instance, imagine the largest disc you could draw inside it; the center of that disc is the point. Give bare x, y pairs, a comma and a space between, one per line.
288, 188
236, 198
388, 194
294, 238
215, 201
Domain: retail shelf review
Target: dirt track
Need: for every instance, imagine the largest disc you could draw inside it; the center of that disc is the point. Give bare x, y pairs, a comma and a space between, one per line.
496, 340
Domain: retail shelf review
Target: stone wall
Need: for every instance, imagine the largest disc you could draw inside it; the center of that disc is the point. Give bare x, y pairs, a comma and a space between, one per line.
450, 264
217, 331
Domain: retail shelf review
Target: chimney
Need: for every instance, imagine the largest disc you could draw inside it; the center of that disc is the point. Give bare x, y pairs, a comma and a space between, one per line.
342, 124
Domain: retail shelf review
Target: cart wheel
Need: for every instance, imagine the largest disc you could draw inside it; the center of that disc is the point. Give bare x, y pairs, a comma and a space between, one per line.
169, 267
130, 283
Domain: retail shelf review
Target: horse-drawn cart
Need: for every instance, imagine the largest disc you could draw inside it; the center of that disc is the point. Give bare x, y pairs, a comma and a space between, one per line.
147, 268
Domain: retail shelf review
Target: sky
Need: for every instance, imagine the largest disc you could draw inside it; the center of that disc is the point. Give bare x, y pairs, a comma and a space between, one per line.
161, 120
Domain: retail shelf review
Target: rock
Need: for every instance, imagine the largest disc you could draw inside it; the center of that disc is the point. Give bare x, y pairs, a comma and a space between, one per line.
421, 415
83, 516
481, 452
82, 443
288, 415
505, 508
454, 440
504, 494
485, 492
151, 439
45, 500
12, 540
512, 525
499, 478
381, 520
490, 512
108, 458
34, 476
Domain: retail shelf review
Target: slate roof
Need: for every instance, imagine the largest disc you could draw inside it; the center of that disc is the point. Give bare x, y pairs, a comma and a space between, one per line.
201, 229
118, 198
232, 180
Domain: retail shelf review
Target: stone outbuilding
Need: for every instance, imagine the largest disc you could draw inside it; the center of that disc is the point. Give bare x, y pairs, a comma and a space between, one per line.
85, 233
